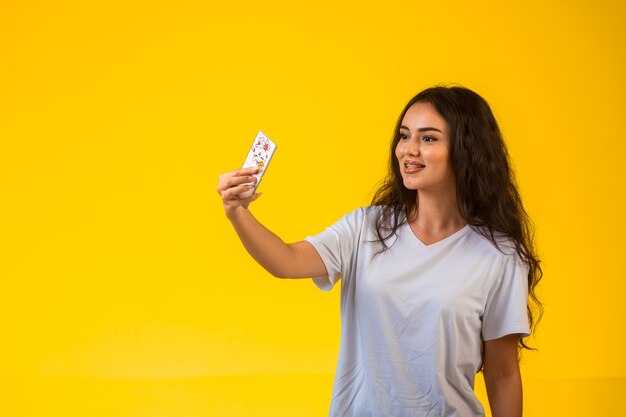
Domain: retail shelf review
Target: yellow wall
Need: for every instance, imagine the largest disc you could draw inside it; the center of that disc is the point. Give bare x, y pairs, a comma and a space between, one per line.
123, 289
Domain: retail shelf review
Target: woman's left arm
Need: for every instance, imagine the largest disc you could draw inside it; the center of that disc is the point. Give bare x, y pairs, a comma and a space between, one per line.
502, 376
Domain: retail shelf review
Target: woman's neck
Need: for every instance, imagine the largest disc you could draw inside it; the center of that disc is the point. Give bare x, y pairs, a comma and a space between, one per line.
437, 213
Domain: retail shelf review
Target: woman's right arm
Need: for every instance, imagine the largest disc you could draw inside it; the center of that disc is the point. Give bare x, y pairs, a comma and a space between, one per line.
295, 260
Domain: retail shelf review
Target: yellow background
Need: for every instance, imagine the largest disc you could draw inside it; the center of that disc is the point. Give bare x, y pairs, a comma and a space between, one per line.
124, 290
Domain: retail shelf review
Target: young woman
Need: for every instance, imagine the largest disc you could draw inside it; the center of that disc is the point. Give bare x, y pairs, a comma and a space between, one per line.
435, 275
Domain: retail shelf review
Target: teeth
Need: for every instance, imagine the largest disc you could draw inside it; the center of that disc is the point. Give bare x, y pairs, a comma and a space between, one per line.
414, 166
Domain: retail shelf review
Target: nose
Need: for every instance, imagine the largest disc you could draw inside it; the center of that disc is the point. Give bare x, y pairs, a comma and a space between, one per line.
413, 147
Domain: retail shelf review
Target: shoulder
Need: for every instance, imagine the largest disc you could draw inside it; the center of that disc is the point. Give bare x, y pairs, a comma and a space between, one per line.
503, 265
497, 241
365, 219
371, 216
354, 219
364, 214
502, 246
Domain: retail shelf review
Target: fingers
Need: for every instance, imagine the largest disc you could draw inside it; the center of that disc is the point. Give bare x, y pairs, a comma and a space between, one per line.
234, 193
234, 179
241, 171
247, 171
236, 188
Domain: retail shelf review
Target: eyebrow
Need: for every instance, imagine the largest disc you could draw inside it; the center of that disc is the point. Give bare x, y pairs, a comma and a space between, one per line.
422, 129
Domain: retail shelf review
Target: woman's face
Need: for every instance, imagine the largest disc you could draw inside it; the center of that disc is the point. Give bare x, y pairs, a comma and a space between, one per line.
423, 151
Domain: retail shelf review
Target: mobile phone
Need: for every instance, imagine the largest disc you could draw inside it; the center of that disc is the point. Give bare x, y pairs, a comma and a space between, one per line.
260, 155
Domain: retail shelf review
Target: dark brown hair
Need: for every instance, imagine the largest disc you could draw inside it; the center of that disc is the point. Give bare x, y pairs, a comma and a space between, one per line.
486, 189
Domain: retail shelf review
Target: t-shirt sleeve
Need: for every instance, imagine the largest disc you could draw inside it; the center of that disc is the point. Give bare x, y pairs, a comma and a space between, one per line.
336, 246
506, 309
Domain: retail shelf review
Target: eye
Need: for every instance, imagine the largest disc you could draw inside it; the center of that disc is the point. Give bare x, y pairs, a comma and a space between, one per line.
403, 136
429, 139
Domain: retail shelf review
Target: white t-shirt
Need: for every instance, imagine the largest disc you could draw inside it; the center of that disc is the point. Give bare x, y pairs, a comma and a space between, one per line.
414, 317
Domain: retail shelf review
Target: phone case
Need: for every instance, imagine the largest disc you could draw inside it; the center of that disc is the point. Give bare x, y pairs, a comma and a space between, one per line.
260, 155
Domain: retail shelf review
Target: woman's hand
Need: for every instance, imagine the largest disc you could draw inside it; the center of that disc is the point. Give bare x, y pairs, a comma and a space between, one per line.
234, 183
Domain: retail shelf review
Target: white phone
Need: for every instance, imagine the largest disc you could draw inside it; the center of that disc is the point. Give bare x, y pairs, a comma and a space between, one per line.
260, 155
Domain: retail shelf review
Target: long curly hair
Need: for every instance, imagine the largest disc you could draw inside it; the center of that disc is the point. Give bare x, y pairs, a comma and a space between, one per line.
486, 190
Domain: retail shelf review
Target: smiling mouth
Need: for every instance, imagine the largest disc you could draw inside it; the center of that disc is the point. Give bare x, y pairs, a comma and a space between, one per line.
414, 166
